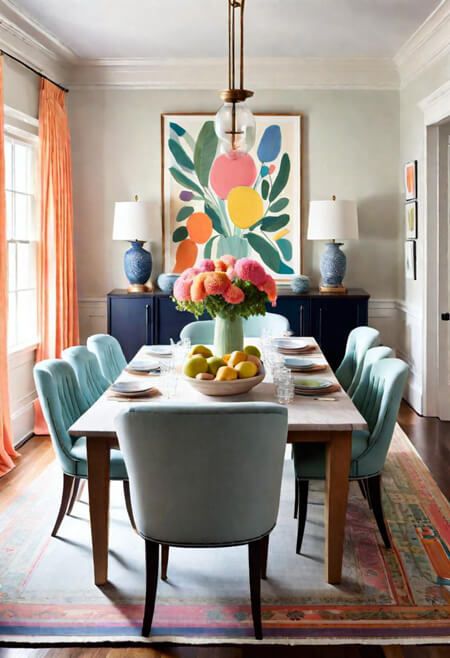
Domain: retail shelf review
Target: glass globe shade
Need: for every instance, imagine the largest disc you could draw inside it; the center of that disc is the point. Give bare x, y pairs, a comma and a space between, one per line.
245, 128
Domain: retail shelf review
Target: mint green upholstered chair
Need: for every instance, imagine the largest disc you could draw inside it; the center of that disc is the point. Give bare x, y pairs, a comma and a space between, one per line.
378, 400
225, 491
372, 356
62, 404
109, 355
359, 341
87, 371
202, 331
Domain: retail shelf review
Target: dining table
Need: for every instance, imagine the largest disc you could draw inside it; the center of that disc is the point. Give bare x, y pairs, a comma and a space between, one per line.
329, 420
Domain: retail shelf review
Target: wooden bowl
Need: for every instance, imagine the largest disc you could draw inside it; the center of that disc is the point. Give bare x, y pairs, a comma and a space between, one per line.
219, 388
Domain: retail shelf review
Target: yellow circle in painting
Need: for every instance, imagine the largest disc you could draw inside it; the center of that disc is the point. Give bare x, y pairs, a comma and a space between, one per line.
245, 206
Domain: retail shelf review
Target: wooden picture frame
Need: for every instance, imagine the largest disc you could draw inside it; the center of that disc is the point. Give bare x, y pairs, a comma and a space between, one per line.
275, 239
411, 220
410, 180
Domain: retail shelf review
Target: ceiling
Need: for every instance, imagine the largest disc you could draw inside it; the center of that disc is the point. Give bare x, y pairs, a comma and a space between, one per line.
197, 28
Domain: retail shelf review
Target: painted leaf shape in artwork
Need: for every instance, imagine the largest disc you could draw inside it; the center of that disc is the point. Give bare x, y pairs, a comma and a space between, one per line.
180, 155
205, 151
285, 269
279, 205
285, 247
180, 234
184, 181
184, 213
265, 189
282, 178
208, 247
270, 144
274, 223
179, 130
216, 221
269, 254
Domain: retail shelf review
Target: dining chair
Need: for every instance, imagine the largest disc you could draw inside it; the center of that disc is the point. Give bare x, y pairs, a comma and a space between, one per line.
62, 404
358, 342
378, 402
202, 331
224, 491
87, 371
109, 354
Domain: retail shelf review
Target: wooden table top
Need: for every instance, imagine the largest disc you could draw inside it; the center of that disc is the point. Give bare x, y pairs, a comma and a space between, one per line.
304, 413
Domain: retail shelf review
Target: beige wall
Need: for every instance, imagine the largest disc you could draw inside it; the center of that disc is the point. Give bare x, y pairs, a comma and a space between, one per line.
21, 88
350, 148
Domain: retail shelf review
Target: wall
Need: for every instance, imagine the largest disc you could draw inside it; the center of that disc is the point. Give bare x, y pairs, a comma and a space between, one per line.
411, 293
350, 148
21, 92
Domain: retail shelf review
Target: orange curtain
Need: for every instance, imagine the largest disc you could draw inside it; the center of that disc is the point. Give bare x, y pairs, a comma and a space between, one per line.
57, 290
7, 451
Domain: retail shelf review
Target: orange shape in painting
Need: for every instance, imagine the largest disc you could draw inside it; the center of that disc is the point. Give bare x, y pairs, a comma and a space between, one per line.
186, 256
227, 173
199, 227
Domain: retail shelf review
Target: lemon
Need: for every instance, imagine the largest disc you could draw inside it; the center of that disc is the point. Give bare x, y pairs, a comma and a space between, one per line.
214, 363
200, 349
246, 369
236, 357
253, 350
194, 365
225, 373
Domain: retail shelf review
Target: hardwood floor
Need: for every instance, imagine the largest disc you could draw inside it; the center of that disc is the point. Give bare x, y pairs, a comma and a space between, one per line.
431, 438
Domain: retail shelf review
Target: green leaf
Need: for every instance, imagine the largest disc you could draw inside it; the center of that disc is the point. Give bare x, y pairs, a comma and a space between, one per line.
208, 247
180, 234
205, 151
274, 223
279, 205
183, 180
184, 213
265, 189
282, 177
180, 155
214, 217
269, 254
285, 247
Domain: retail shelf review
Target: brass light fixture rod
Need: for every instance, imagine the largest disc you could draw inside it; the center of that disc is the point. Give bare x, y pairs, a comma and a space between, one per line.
233, 94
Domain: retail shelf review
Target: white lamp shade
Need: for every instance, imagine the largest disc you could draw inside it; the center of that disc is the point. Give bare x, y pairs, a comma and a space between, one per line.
333, 220
132, 221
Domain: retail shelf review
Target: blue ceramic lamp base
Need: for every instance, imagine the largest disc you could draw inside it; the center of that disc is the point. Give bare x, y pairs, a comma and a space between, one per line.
333, 263
138, 268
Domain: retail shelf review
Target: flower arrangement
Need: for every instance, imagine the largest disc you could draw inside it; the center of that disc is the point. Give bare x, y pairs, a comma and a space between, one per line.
225, 288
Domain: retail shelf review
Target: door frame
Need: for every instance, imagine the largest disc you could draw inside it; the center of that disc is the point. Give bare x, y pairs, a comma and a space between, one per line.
436, 109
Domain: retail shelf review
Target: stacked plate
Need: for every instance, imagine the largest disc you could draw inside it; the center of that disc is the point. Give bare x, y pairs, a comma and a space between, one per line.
291, 346
149, 367
159, 350
297, 364
130, 389
310, 386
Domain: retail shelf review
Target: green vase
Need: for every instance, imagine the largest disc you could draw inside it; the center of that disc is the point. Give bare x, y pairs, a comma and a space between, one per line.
228, 335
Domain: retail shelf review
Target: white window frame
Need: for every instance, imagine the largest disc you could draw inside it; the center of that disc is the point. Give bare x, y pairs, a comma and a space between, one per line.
15, 133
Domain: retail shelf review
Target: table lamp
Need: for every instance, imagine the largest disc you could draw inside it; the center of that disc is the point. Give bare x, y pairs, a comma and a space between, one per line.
131, 223
332, 221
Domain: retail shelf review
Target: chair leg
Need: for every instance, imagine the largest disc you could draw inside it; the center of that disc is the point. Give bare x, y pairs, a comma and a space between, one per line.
164, 561
126, 495
264, 555
303, 488
296, 499
151, 584
362, 488
374, 495
254, 567
74, 497
68, 482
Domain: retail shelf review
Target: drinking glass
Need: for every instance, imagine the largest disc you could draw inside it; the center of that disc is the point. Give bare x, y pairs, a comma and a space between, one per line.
285, 390
170, 384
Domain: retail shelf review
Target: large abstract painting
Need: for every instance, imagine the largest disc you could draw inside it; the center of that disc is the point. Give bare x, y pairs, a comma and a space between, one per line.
214, 204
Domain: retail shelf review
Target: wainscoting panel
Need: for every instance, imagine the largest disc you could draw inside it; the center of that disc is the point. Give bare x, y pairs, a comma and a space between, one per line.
22, 393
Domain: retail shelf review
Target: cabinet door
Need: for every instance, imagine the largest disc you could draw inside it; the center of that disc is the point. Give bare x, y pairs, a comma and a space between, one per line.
297, 311
332, 321
169, 322
131, 322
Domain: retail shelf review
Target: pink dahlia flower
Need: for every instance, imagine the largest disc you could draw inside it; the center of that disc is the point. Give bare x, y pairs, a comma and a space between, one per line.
182, 289
234, 295
270, 288
250, 270
198, 292
220, 265
190, 273
216, 283
206, 265
231, 272
228, 260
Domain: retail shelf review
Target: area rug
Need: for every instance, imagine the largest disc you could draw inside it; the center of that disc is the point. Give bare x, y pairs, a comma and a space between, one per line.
386, 596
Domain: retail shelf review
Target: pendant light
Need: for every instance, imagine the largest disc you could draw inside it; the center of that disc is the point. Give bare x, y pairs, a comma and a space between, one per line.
235, 124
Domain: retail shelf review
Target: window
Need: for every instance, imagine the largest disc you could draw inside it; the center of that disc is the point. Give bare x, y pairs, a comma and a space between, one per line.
20, 164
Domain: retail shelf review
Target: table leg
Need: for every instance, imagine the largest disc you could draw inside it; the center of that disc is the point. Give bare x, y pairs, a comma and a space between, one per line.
338, 457
98, 454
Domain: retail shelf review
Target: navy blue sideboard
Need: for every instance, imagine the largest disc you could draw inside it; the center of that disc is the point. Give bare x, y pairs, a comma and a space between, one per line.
136, 319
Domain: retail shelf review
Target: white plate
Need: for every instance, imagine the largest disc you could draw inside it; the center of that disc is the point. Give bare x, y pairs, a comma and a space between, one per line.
130, 388
303, 384
293, 362
159, 350
144, 366
290, 343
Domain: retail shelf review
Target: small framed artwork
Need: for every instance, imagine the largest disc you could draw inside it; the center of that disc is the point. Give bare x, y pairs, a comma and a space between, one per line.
411, 180
411, 220
410, 259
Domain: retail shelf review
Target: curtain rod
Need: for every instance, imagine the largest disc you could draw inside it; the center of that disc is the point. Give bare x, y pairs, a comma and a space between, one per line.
33, 70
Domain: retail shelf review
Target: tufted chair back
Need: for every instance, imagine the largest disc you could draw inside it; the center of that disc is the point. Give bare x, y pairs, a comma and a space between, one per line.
109, 355
359, 341
372, 356
87, 371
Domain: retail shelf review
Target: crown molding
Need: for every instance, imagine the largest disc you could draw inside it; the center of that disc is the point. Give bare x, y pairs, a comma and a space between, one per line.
430, 42
436, 106
261, 73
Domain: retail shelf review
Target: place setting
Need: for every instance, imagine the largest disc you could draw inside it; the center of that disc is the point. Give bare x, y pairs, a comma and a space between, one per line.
144, 367
131, 391
312, 387
298, 364
293, 346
